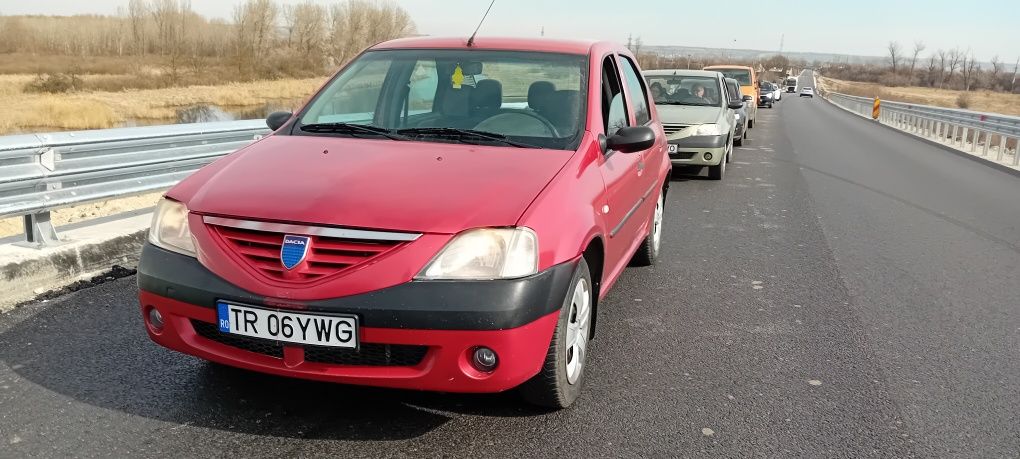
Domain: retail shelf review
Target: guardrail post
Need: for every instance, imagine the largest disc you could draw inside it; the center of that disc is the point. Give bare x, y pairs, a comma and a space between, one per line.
963, 138
1016, 154
974, 141
1002, 148
39, 230
988, 140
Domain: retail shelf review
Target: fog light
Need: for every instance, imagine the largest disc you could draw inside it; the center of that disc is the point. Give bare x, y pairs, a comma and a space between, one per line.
484, 359
155, 319
708, 156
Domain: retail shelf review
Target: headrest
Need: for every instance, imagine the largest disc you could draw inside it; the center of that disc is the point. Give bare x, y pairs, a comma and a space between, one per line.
457, 102
538, 94
487, 95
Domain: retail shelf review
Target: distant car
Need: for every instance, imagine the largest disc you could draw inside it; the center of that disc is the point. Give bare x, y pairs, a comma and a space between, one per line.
791, 84
766, 95
807, 92
748, 79
740, 114
777, 92
697, 117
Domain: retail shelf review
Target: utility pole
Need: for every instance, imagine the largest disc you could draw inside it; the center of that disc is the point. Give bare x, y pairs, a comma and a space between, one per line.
543, 31
782, 40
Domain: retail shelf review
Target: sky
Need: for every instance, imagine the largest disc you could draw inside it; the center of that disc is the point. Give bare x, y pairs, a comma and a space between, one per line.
860, 27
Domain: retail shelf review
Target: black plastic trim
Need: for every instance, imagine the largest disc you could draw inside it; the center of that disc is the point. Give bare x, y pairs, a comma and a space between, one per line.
701, 141
435, 305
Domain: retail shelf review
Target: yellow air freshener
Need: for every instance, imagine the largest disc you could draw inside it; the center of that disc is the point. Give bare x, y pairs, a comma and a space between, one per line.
458, 77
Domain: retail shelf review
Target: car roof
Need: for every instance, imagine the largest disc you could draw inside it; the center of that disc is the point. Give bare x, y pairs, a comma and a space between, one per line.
727, 66
680, 72
496, 43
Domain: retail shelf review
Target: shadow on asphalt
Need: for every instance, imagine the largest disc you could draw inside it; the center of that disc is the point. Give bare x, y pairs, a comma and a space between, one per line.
105, 359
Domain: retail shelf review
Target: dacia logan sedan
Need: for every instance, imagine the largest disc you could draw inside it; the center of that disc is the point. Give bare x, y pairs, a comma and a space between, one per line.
442, 215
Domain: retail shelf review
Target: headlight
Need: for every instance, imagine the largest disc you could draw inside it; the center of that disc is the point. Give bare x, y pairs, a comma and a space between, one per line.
170, 228
486, 253
708, 129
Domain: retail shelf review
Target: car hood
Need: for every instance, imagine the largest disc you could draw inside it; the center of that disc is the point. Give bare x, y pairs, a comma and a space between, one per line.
373, 184
688, 114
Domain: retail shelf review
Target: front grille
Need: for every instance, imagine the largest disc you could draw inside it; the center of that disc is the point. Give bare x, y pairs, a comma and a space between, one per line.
370, 354
259, 346
326, 255
670, 128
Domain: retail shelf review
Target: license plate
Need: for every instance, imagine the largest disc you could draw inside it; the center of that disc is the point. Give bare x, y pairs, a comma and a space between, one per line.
290, 327
672, 148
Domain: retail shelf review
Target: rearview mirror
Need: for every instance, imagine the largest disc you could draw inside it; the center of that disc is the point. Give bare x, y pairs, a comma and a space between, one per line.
747, 98
736, 104
631, 139
276, 120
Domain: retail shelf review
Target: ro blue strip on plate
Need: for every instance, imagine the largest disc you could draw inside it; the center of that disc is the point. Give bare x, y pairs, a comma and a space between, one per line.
223, 316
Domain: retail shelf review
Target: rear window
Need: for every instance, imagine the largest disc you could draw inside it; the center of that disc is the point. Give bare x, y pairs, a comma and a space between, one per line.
742, 76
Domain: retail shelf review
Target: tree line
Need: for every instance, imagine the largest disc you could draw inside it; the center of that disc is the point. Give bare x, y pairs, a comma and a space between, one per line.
942, 68
261, 39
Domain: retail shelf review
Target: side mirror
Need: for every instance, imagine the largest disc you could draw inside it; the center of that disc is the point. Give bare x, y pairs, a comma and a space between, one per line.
631, 139
736, 104
747, 99
276, 120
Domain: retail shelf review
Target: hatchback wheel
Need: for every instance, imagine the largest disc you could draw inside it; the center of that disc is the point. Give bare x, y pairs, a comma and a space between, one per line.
648, 252
716, 172
559, 381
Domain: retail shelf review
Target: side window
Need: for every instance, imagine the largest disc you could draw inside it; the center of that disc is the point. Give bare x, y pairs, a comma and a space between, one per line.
422, 87
640, 100
614, 110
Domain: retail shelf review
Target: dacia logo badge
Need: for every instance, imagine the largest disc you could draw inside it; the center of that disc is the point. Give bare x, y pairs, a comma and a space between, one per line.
294, 250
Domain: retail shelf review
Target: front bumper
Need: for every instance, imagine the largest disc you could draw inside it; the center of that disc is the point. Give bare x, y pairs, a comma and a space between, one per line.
691, 150
417, 335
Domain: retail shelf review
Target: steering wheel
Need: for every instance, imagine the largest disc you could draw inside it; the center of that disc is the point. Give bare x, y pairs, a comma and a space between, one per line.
518, 123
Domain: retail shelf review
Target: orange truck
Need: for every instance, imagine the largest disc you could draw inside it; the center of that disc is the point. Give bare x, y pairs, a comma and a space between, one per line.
748, 80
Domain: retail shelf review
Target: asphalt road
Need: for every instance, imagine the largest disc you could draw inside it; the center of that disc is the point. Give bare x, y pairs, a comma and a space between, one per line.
846, 290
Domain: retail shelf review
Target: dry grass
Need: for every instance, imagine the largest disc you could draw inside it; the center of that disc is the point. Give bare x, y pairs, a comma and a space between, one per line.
22, 112
981, 101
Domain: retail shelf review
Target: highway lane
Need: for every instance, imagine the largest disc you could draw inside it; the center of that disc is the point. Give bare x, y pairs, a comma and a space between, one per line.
845, 290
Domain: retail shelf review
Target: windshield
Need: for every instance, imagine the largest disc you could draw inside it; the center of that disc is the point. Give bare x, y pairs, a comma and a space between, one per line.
684, 90
530, 98
742, 76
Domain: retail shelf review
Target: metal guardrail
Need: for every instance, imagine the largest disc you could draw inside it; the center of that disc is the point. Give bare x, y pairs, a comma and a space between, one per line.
963, 129
43, 172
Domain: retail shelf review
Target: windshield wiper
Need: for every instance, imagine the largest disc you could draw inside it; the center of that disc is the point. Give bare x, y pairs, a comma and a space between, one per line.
353, 129
462, 135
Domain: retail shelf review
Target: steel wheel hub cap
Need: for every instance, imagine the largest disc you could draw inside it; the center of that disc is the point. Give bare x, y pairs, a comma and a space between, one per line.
578, 325
657, 225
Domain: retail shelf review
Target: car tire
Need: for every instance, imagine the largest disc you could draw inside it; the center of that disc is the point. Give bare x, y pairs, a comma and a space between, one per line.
716, 172
648, 252
740, 142
770, 104
750, 124
559, 381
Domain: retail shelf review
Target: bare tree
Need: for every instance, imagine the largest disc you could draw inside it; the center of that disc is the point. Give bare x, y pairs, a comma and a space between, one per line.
918, 48
955, 56
306, 30
968, 69
357, 24
255, 28
943, 60
894, 54
137, 13
931, 74
995, 74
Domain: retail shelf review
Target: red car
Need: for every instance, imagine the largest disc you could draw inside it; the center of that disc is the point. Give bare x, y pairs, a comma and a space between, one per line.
442, 215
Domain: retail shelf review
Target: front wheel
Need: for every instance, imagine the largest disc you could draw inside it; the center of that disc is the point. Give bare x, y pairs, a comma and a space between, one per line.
648, 252
716, 172
559, 381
